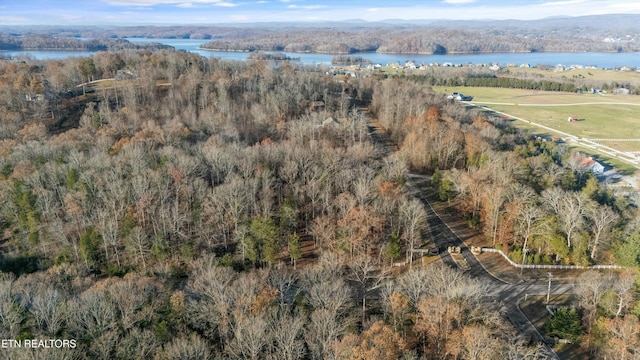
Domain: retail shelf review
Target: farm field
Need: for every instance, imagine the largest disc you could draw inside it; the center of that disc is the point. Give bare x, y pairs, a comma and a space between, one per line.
600, 116
622, 77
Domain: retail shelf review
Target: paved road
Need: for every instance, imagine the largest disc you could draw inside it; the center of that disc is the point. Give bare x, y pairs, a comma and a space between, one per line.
508, 295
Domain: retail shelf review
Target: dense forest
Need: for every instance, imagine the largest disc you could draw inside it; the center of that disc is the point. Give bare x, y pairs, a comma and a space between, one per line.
576, 34
199, 208
412, 41
34, 42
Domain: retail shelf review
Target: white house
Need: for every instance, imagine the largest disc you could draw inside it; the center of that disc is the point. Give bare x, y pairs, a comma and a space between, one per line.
590, 164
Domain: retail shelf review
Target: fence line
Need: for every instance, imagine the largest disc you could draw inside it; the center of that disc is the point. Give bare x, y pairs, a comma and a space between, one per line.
564, 267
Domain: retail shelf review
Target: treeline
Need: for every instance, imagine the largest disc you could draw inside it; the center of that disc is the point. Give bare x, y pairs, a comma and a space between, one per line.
406, 41
277, 56
496, 81
349, 60
514, 83
545, 85
302, 40
8, 42
511, 79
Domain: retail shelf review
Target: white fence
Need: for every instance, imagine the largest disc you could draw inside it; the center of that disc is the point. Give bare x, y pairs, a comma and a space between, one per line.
557, 267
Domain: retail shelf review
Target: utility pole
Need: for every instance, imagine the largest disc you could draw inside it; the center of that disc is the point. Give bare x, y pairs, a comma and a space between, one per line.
524, 259
549, 287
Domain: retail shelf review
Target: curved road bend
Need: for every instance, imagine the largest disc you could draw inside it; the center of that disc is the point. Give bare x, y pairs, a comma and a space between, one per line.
508, 295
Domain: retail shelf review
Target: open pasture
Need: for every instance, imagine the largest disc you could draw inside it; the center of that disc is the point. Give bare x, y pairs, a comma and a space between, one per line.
588, 75
599, 116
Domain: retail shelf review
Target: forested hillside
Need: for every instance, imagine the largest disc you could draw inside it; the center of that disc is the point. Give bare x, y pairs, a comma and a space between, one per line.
412, 40
604, 33
33, 42
197, 208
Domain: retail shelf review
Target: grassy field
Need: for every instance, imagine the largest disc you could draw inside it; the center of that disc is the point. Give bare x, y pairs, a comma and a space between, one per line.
601, 116
586, 74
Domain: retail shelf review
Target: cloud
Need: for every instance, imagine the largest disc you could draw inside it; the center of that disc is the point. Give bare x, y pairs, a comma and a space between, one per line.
306, 7
563, 3
239, 18
190, 5
12, 19
458, 1
166, 2
622, 8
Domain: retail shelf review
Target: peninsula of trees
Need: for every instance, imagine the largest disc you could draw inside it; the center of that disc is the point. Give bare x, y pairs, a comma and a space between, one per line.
42, 42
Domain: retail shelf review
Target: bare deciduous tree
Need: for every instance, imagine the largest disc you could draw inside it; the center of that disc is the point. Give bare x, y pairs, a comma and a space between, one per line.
10, 307
250, 337
570, 209
48, 307
369, 276
413, 217
94, 314
192, 347
529, 223
287, 331
590, 287
602, 219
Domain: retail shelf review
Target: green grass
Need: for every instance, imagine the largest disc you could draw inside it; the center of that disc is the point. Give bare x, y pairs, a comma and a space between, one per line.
596, 121
600, 119
602, 116
595, 75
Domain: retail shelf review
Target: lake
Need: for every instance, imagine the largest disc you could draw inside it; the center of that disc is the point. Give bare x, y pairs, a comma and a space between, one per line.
600, 60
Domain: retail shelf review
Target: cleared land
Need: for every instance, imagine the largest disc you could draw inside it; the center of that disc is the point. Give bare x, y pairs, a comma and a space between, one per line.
600, 116
619, 76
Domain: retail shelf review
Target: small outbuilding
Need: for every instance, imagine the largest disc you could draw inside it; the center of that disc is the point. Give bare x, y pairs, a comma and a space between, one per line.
573, 118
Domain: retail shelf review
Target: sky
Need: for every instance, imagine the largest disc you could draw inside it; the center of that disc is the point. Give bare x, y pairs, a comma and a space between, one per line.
186, 12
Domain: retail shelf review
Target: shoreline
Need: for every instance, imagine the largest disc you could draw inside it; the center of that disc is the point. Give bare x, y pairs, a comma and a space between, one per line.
419, 53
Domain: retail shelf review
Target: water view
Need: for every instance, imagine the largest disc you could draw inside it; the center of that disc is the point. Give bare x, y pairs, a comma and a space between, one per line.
600, 60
